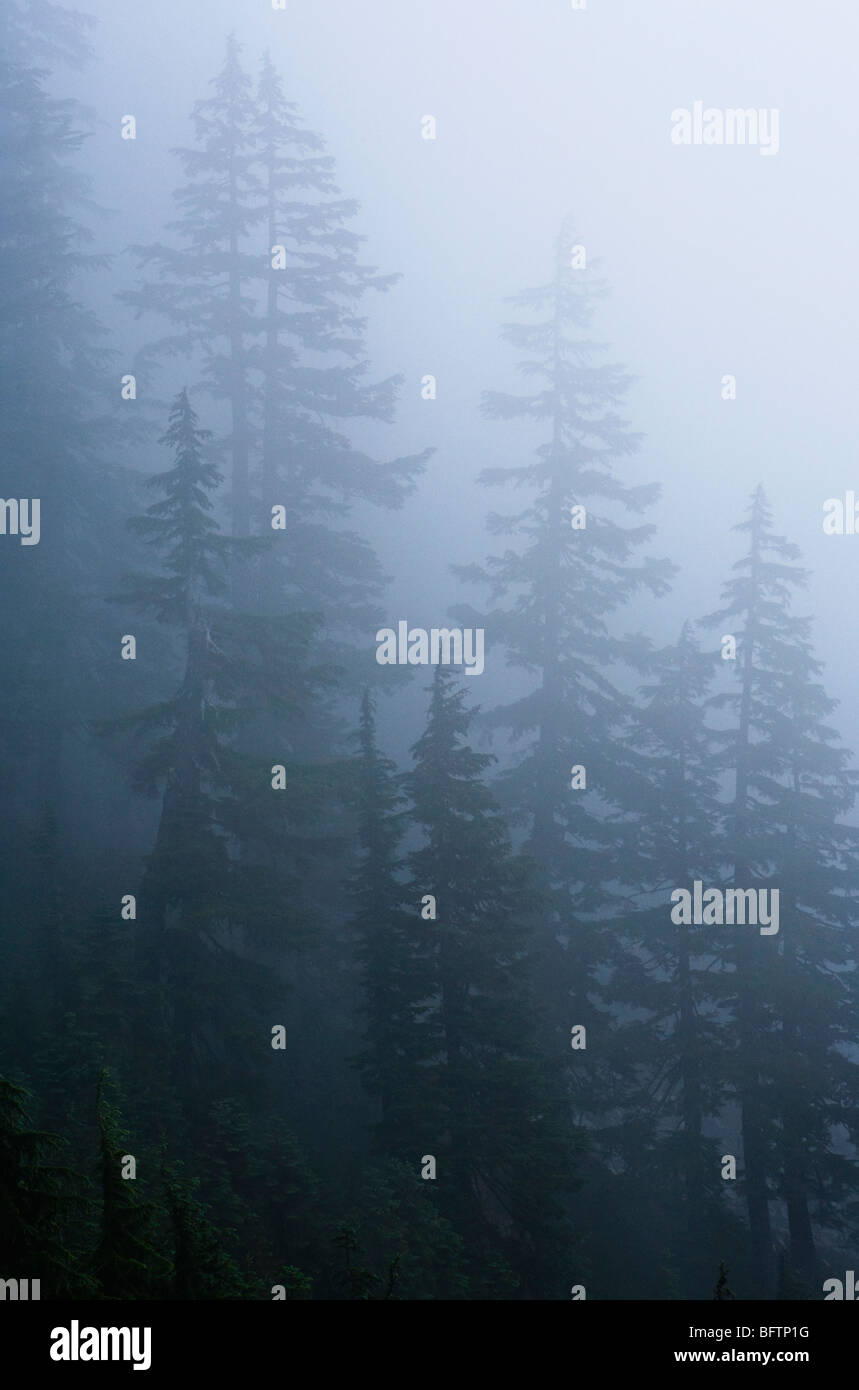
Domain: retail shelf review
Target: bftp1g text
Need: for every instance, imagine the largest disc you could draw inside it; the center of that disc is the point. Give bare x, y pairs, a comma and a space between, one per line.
717, 1333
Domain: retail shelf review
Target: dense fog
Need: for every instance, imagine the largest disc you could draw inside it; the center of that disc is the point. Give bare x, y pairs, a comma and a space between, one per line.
430, 861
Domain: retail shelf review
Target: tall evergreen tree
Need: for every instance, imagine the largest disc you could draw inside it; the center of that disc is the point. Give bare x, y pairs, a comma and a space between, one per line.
128, 1262
492, 1113
311, 369
259, 1184
791, 786
756, 603
670, 984
554, 599
203, 287
40, 1201
283, 341
202, 1267
53, 406
64, 501
311, 366
202, 907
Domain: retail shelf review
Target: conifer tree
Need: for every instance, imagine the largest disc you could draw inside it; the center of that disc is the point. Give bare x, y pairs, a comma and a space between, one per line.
41, 1201
56, 435
313, 366
283, 341
493, 1114
755, 613
201, 905
398, 1221
258, 1182
553, 600
314, 381
670, 974
314, 378
791, 786
202, 1268
127, 1263
203, 287
817, 1077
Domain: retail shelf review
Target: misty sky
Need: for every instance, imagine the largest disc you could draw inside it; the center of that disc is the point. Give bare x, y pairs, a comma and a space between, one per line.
719, 259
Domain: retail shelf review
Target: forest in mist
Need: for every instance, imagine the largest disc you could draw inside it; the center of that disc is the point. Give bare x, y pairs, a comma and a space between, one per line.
430, 864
